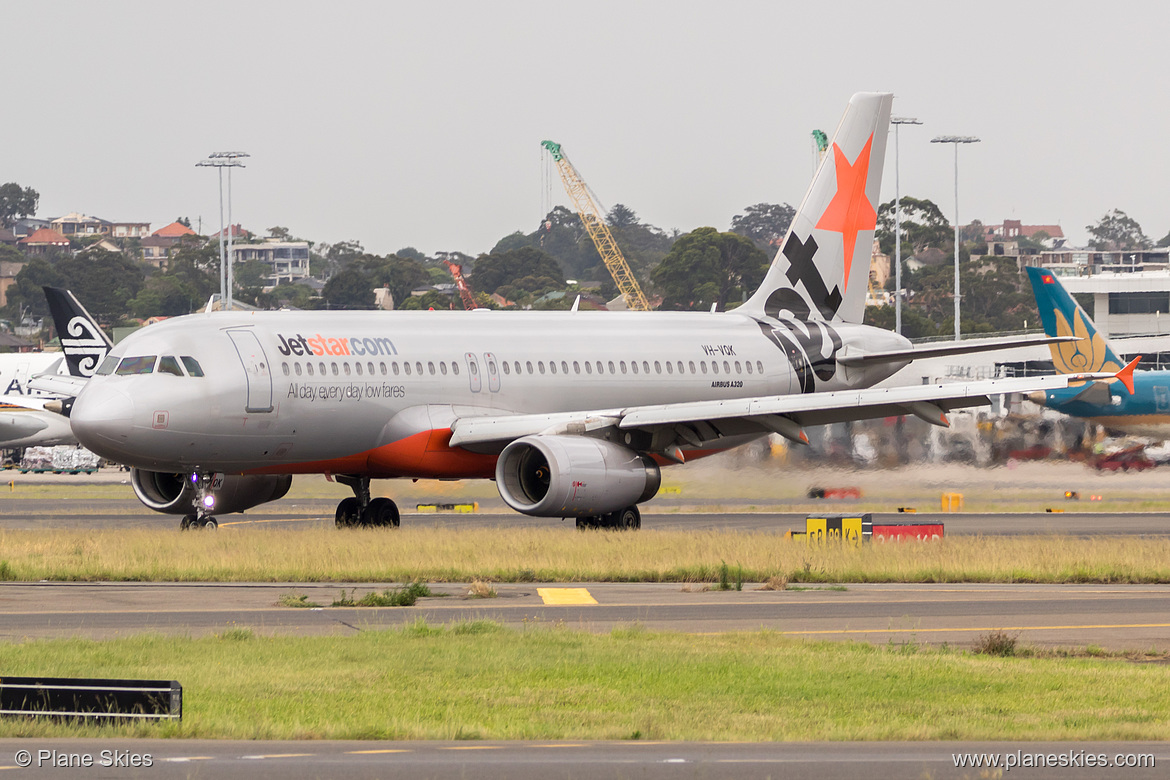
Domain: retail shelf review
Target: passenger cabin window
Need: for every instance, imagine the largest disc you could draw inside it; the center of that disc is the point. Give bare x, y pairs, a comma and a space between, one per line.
108, 365
137, 365
192, 365
161, 370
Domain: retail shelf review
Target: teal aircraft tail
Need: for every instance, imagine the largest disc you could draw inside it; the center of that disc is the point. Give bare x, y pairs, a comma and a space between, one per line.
1063, 316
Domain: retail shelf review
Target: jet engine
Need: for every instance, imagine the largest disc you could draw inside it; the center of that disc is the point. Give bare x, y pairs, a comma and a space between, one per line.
573, 476
174, 494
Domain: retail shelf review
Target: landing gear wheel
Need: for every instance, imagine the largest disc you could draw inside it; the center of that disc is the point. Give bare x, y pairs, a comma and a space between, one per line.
187, 523
629, 519
208, 524
348, 513
381, 512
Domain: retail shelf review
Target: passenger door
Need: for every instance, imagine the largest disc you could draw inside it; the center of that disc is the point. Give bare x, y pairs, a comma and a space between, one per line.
256, 370
493, 372
473, 372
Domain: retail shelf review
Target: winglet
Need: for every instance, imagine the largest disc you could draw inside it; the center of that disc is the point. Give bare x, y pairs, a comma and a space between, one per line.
1126, 374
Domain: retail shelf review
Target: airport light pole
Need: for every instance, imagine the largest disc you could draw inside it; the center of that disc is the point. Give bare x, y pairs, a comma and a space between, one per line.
956, 140
223, 160
897, 122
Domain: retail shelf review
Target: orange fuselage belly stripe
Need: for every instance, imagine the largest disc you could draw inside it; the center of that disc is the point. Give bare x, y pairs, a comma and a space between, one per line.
425, 455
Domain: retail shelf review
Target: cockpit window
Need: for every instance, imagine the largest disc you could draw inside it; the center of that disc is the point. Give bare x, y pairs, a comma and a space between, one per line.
108, 365
168, 365
192, 365
137, 365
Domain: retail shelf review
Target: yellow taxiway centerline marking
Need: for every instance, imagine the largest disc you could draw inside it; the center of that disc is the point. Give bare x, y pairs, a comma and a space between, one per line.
368, 752
570, 596
993, 628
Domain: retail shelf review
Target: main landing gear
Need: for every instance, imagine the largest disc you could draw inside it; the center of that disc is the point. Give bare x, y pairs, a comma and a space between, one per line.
363, 511
204, 504
628, 519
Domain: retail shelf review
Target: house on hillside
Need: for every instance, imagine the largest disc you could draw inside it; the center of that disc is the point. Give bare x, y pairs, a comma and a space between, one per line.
287, 261
74, 224
8, 272
156, 247
43, 241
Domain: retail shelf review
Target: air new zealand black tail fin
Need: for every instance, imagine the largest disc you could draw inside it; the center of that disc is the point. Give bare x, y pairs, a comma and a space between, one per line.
82, 341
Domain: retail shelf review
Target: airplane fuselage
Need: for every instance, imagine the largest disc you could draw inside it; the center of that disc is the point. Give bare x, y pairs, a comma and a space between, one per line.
375, 393
1144, 413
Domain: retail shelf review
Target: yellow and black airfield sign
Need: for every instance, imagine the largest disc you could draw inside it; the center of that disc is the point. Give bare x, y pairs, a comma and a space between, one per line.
836, 529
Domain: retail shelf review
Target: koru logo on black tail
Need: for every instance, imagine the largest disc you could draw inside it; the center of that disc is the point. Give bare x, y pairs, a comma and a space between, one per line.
801, 268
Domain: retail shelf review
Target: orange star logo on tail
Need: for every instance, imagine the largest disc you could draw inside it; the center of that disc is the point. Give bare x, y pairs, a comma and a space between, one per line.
850, 210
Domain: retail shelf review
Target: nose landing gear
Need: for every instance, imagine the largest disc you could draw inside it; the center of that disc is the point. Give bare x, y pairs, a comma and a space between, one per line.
361, 510
204, 504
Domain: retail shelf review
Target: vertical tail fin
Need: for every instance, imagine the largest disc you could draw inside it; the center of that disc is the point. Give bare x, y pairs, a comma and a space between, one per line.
1063, 316
82, 341
822, 268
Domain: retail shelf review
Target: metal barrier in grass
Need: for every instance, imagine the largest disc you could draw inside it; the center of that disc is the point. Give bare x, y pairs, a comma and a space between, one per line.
76, 697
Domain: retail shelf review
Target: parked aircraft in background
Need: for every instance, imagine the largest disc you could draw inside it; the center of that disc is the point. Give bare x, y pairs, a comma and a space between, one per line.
572, 413
24, 421
1143, 409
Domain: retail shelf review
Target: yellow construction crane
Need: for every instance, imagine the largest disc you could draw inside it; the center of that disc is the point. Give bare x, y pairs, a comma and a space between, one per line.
591, 217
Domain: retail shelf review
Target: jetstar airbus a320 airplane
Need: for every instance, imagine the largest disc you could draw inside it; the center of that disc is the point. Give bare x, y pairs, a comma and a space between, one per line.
572, 413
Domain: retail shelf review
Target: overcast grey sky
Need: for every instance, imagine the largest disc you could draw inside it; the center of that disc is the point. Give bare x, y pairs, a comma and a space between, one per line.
420, 123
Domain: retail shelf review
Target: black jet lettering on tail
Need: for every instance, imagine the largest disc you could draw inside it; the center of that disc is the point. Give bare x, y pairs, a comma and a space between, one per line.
801, 268
803, 342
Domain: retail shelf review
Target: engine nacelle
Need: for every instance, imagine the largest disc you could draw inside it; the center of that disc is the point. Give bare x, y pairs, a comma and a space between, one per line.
573, 476
174, 494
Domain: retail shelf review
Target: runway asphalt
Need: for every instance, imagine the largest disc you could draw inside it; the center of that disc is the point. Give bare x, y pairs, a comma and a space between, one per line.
575, 760
1115, 617
38, 514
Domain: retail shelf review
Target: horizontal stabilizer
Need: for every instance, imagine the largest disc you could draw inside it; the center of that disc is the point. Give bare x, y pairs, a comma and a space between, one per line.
58, 384
952, 348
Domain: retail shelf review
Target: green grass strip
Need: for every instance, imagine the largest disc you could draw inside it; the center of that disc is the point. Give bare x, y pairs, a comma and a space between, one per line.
481, 681
563, 555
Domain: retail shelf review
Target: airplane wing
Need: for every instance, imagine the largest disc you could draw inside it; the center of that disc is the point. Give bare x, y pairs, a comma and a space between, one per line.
697, 422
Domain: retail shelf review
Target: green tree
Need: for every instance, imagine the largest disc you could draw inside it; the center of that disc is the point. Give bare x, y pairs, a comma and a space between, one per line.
923, 227
279, 233
764, 223
620, 216
914, 325
400, 274
706, 266
17, 202
1117, 231
495, 270
410, 253
104, 281
350, 288
25, 293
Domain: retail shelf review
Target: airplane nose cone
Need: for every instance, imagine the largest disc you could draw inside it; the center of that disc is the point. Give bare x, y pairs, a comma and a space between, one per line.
101, 419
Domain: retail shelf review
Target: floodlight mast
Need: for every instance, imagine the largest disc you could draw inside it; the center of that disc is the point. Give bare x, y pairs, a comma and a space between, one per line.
956, 140
897, 122
223, 160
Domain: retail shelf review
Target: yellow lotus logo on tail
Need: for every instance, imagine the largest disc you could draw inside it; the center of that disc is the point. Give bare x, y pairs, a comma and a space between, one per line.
1076, 357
